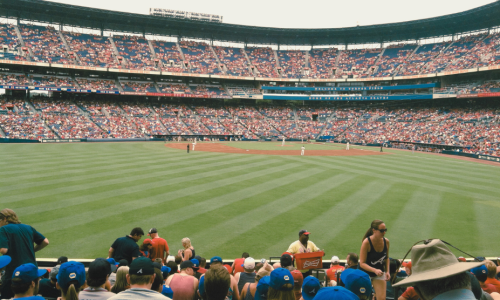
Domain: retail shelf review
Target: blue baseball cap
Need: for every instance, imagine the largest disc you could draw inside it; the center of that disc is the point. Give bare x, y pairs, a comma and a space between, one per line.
201, 286
357, 281
216, 259
167, 291
165, 271
480, 272
310, 287
28, 272
280, 277
71, 271
196, 263
262, 288
113, 264
4, 261
335, 293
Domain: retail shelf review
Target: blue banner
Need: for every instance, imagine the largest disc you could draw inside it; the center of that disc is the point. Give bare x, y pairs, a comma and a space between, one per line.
347, 98
351, 88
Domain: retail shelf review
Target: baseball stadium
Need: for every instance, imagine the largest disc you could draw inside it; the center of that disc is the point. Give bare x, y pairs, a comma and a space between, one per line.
239, 137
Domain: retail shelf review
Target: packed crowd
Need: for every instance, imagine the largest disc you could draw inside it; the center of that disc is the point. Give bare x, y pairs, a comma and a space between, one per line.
263, 61
96, 84
45, 44
322, 62
148, 269
135, 53
357, 63
91, 50
474, 129
170, 56
200, 57
292, 63
234, 59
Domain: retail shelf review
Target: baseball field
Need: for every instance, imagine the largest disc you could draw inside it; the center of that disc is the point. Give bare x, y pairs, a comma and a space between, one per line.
247, 196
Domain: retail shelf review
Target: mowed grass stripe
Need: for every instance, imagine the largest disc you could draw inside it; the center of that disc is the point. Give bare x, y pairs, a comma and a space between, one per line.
486, 213
400, 177
341, 215
422, 175
170, 220
133, 185
135, 168
247, 221
82, 218
468, 173
421, 208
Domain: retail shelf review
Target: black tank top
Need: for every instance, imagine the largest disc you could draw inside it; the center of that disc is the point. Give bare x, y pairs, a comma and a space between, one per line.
375, 259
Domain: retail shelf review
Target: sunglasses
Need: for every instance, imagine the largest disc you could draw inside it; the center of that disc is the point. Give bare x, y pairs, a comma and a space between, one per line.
382, 230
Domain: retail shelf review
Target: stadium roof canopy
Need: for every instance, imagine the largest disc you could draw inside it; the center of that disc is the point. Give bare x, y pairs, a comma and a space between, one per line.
479, 18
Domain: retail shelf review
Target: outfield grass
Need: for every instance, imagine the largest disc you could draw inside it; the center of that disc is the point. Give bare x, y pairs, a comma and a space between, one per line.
83, 196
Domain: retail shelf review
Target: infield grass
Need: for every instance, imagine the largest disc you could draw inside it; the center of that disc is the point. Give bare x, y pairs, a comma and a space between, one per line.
84, 196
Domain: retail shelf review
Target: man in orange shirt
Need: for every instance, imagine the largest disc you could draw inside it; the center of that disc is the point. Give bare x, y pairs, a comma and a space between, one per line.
492, 271
332, 272
160, 246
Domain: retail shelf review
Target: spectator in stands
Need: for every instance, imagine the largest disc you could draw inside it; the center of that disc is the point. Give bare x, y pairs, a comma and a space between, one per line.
335, 268
16, 240
357, 282
281, 285
303, 245
492, 271
298, 280
310, 287
263, 288
25, 281
335, 293
62, 260
248, 275
97, 281
394, 268
188, 251
158, 282
374, 257
352, 261
126, 247
203, 264
141, 277
217, 283
160, 246
121, 282
146, 248
249, 289
437, 273
238, 263
481, 274
183, 284
47, 287
233, 292
70, 278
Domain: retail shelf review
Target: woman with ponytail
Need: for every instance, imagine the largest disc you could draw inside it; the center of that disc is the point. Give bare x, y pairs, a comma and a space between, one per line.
374, 257
70, 278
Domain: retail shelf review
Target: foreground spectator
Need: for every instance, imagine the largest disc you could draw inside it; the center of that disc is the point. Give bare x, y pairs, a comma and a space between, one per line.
48, 288
237, 264
310, 287
248, 276
121, 283
352, 261
233, 292
481, 274
298, 280
249, 290
126, 247
357, 282
334, 269
437, 273
25, 281
98, 279
16, 240
183, 284
70, 278
145, 248
335, 293
281, 285
492, 271
141, 277
188, 251
217, 283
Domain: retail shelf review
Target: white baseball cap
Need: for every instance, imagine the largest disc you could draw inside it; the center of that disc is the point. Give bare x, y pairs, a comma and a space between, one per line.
335, 259
249, 263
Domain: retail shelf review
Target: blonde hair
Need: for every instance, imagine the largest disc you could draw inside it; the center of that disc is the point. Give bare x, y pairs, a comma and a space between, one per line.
186, 241
121, 283
70, 293
492, 268
9, 215
261, 273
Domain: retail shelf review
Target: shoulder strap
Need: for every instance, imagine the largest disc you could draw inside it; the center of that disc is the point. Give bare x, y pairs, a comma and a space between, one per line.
371, 245
385, 246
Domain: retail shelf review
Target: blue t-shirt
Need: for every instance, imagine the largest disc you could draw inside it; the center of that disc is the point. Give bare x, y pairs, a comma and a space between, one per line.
125, 248
19, 240
32, 298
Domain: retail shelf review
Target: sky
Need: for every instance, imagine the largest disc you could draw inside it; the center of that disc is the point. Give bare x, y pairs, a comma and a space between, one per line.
297, 14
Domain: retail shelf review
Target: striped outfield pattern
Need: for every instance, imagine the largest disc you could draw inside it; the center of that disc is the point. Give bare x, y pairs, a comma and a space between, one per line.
83, 196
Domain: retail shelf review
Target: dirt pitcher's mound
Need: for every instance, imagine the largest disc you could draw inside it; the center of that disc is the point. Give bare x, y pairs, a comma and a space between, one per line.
228, 149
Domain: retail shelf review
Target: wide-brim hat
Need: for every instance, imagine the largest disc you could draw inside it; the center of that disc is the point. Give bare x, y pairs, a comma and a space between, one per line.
434, 261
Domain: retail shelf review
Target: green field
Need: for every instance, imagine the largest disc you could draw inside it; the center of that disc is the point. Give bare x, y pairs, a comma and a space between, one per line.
83, 196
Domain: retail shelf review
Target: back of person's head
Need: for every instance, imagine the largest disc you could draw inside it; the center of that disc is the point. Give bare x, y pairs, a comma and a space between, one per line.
261, 273
121, 283
137, 231
281, 285
158, 281
159, 261
374, 225
492, 268
9, 215
298, 280
186, 242
353, 258
141, 271
217, 283
62, 259
431, 288
173, 267
70, 278
245, 255
98, 272
203, 262
178, 259
394, 266
23, 278
481, 273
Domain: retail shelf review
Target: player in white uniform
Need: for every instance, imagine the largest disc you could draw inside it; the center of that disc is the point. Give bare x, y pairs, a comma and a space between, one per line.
283, 142
347, 146
302, 150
